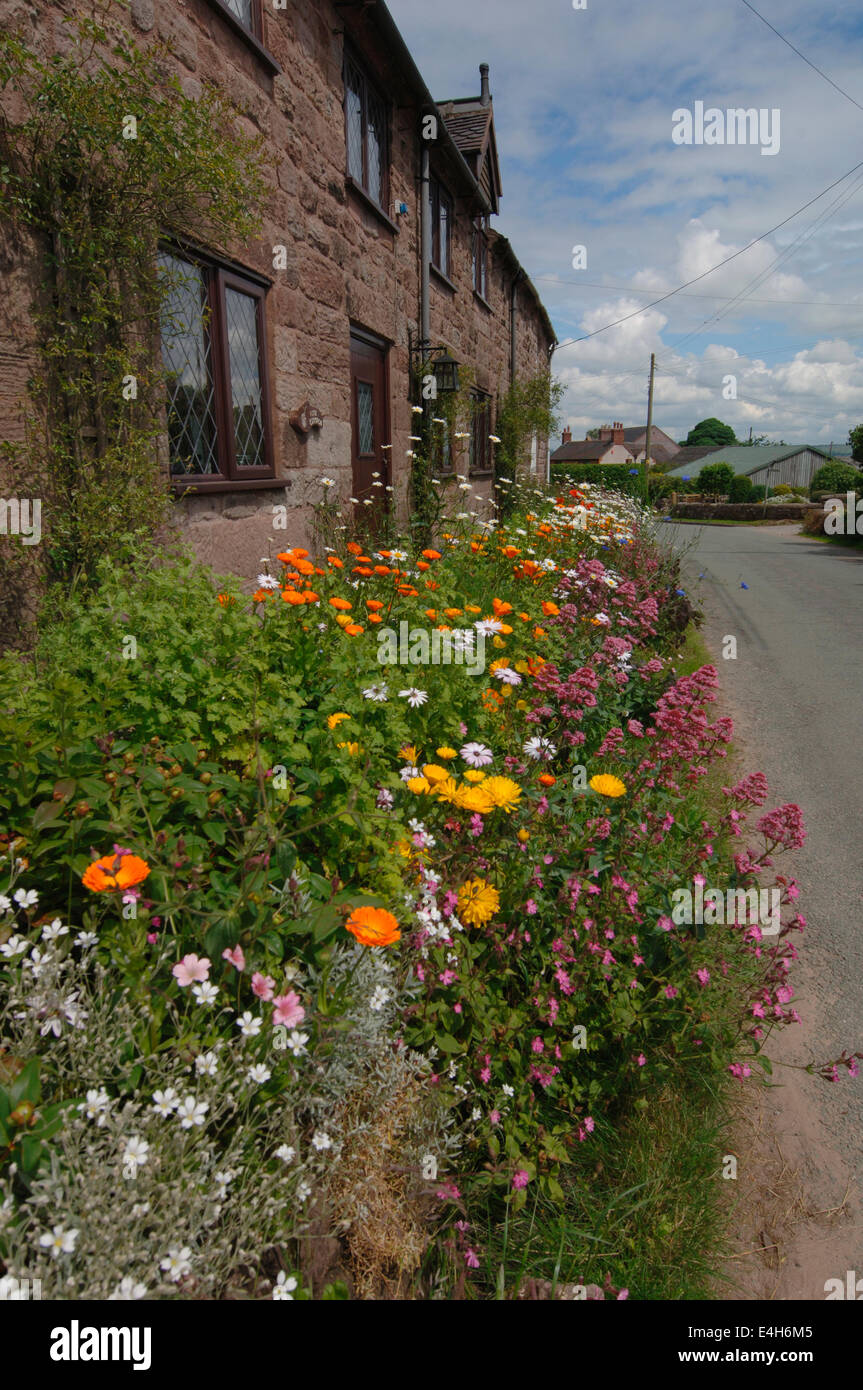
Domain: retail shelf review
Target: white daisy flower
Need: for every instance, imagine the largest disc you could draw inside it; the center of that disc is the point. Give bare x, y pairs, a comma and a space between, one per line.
177, 1263
414, 697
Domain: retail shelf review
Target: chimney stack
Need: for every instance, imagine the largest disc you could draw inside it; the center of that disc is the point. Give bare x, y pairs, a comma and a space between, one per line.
566, 437
485, 98
606, 434
617, 437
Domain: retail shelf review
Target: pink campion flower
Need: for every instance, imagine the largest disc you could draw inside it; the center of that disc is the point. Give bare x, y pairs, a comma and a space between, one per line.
638, 960
641, 1059
470, 1259
703, 976
494, 1116
666, 924
191, 970
520, 1180
589, 1124
446, 977
152, 937
537, 1045
485, 1074
740, 1070
670, 992
853, 1068
531, 908
263, 986
784, 994
236, 957
456, 1008
288, 1010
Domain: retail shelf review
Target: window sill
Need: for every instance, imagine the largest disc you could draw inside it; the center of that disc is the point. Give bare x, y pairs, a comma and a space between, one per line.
251, 40
481, 300
444, 279
197, 489
486, 473
369, 202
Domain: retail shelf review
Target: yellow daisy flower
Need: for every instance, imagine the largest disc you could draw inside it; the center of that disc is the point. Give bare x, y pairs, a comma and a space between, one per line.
446, 753
476, 800
474, 775
420, 786
607, 785
334, 720
478, 901
503, 791
433, 773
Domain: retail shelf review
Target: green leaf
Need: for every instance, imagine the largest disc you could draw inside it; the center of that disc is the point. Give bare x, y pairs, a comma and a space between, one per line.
447, 1043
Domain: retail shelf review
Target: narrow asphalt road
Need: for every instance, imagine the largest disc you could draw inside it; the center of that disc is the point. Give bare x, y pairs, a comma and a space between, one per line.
795, 692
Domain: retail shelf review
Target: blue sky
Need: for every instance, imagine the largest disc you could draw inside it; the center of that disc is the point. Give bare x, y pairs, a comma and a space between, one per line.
583, 102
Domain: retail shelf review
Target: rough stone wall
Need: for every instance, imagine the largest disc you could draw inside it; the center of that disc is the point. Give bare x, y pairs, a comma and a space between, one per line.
345, 265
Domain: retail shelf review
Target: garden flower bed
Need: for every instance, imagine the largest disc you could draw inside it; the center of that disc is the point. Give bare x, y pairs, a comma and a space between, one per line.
309, 957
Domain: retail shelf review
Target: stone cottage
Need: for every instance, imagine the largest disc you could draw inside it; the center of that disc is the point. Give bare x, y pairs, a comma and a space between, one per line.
301, 368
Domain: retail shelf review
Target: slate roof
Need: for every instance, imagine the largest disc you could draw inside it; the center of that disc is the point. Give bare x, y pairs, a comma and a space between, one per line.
582, 451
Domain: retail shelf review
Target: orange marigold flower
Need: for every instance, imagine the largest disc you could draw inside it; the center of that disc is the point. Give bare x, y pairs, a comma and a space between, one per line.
423, 565
291, 596
115, 871
550, 609
373, 926
225, 599
336, 562
353, 548
341, 604
374, 604
354, 629
546, 779
363, 570
453, 612
309, 596
432, 584
472, 608
500, 607
260, 594
510, 551
431, 612
382, 569
375, 618
408, 591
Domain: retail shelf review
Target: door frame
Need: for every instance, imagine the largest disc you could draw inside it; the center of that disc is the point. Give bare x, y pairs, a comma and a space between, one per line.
383, 346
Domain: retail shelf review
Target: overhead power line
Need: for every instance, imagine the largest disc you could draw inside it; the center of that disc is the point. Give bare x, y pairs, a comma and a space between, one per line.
627, 289
808, 61
570, 342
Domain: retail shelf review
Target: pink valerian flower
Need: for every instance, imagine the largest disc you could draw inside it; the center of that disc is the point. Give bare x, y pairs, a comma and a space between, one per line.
235, 956
263, 986
470, 1259
520, 1180
191, 970
287, 1010
752, 790
784, 825
448, 1192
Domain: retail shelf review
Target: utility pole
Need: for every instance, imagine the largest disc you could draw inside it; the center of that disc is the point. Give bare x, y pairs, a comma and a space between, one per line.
647, 437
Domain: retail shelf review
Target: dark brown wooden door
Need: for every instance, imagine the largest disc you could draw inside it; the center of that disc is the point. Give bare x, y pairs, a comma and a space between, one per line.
370, 419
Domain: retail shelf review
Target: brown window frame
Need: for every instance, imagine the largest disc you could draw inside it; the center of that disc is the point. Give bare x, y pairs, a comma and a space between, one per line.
480, 456
480, 258
218, 276
256, 28
439, 197
380, 201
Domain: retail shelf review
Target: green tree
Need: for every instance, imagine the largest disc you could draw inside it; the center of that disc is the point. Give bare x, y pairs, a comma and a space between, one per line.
713, 432
716, 480
836, 477
855, 439
740, 489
